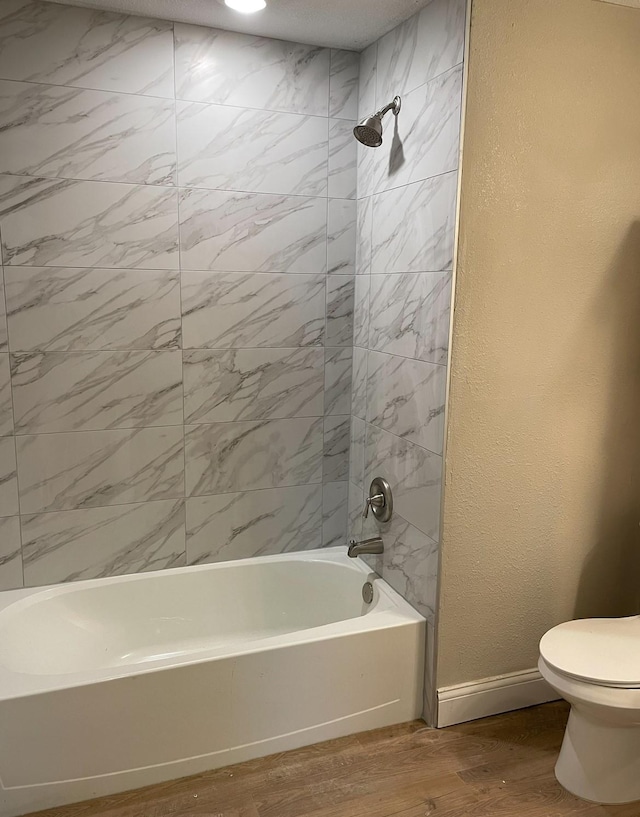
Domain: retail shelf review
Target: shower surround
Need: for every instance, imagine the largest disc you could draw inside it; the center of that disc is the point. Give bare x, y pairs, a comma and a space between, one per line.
177, 216
407, 205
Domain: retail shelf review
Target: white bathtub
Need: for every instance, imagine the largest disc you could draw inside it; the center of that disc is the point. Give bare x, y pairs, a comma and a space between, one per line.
111, 684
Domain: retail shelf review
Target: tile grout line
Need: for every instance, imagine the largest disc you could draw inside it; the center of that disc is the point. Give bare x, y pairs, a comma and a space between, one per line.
177, 499
15, 442
368, 306
326, 298
218, 271
177, 98
181, 188
179, 235
13, 412
350, 531
72, 180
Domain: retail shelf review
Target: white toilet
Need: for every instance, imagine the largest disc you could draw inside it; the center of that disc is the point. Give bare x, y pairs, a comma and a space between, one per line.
595, 665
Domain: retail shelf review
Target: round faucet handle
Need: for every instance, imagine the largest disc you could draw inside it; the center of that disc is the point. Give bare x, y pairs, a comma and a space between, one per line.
379, 501
375, 501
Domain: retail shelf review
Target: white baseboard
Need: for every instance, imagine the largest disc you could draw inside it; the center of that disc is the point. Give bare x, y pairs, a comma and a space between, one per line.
491, 696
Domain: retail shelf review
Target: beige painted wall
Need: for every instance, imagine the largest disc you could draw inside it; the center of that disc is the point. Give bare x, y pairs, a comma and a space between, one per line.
633, 3
542, 500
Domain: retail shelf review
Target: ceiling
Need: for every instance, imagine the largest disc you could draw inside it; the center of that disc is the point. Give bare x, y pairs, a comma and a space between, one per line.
336, 23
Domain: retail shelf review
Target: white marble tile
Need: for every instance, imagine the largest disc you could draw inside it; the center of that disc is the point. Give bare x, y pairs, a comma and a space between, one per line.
425, 139
65, 223
4, 341
340, 304
409, 562
96, 468
244, 456
63, 45
335, 461
414, 226
337, 380
364, 236
10, 554
228, 68
73, 309
334, 514
234, 310
341, 237
343, 84
84, 391
228, 148
253, 384
365, 157
359, 384
355, 505
8, 477
409, 315
366, 166
415, 476
367, 81
71, 133
253, 523
361, 311
426, 45
357, 451
342, 159
6, 409
98, 542
252, 232
406, 397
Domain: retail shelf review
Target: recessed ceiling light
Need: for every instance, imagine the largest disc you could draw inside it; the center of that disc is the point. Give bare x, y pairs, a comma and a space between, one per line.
246, 6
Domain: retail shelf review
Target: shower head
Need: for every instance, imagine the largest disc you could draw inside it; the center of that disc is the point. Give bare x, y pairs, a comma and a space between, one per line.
369, 131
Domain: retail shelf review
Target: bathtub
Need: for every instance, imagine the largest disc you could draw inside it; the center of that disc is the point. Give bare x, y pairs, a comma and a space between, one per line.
111, 684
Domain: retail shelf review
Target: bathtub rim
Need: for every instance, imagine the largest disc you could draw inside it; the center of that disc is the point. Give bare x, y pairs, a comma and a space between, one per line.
391, 610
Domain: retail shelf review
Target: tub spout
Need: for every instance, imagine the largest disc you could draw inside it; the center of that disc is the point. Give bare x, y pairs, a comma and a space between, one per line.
374, 545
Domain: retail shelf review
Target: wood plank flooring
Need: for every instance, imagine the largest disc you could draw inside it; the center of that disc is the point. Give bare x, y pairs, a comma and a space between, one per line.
496, 767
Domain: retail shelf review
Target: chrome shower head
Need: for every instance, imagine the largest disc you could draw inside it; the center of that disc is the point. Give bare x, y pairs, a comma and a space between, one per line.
369, 131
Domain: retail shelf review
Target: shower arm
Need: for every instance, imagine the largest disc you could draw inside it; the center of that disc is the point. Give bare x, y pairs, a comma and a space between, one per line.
394, 106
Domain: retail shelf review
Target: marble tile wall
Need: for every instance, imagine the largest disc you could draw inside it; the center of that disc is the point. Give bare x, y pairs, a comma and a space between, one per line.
405, 219
178, 233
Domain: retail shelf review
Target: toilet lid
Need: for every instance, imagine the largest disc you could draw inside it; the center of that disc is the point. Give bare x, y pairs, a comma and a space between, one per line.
603, 651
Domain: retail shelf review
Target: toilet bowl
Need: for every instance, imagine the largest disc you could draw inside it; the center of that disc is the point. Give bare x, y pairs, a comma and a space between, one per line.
594, 664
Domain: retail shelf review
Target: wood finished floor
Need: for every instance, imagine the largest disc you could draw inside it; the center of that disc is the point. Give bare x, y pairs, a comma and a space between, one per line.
496, 767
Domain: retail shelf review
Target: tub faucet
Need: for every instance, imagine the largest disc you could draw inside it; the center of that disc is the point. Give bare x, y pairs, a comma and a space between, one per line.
374, 545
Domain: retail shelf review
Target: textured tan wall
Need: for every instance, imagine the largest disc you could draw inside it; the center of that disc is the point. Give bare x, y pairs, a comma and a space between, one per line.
633, 3
542, 502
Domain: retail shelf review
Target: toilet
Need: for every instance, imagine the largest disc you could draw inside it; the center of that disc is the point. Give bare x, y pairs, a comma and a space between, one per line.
594, 664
